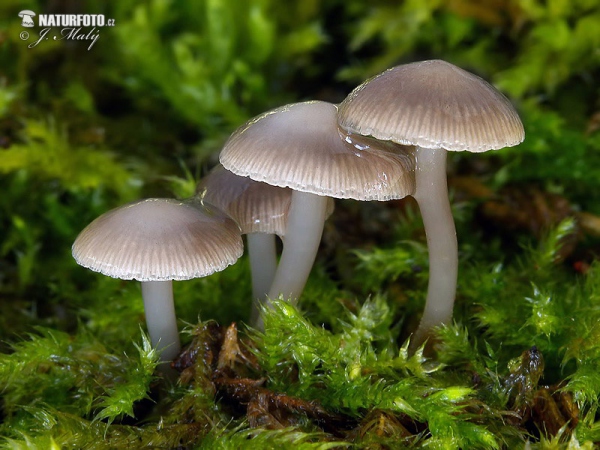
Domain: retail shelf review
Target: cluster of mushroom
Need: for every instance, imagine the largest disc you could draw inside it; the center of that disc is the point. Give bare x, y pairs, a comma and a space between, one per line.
279, 173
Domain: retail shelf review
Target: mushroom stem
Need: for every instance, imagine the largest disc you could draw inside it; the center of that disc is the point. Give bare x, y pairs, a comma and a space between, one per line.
160, 318
302, 237
262, 251
432, 197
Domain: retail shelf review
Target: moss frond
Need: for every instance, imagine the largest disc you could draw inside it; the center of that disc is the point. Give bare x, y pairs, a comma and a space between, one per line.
47, 154
269, 440
75, 374
47, 427
360, 369
378, 267
120, 398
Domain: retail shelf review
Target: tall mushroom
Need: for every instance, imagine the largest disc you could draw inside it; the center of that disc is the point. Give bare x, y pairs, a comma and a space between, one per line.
436, 107
156, 241
301, 147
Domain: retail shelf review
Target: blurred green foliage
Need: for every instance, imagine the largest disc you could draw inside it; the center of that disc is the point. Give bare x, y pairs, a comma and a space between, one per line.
143, 113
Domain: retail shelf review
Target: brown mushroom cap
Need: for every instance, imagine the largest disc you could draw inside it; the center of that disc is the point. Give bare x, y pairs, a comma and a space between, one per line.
301, 147
432, 104
159, 240
256, 207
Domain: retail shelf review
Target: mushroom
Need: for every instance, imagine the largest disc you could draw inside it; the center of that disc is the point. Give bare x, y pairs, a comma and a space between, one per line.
156, 241
27, 18
436, 107
300, 146
261, 211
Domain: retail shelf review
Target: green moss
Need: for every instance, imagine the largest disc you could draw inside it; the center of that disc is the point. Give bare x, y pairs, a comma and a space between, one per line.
76, 375
275, 439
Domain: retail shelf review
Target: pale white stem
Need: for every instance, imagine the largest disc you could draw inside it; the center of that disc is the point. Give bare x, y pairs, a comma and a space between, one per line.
262, 251
432, 197
306, 218
160, 318
305, 222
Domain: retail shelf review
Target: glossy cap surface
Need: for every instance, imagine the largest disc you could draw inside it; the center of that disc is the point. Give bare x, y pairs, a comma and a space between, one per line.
159, 240
300, 146
432, 104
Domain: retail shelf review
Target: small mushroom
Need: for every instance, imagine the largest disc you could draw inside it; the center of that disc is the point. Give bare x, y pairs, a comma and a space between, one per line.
436, 107
261, 211
300, 146
156, 241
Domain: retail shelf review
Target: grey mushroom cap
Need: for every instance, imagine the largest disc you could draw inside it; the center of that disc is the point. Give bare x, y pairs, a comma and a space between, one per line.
26, 12
432, 104
159, 240
256, 207
300, 146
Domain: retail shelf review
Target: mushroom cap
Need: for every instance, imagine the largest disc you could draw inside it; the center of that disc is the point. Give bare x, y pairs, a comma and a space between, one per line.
26, 12
256, 207
159, 240
432, 104
300, 146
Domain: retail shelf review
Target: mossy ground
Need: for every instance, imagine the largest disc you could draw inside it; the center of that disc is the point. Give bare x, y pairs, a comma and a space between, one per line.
143, 114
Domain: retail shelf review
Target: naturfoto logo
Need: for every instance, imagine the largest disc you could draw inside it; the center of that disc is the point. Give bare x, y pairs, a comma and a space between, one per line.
71, 27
